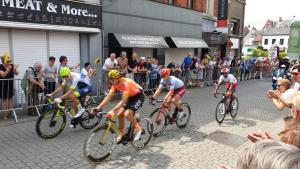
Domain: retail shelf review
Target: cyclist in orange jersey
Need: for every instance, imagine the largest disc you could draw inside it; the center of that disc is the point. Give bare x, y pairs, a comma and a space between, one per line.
132, 99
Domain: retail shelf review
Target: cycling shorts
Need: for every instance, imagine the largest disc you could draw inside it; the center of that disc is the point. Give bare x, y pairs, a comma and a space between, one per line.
235, 85
180, 91
135, 102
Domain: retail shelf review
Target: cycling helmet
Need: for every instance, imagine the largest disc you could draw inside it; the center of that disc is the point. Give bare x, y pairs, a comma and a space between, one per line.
224, 70
114, 74
165, 72
64, 71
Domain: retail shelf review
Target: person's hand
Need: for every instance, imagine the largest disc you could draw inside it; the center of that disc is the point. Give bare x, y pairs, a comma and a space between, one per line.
268, 95
49, 95
214, 93
96, 109
257, 136
42, 86
57, 100
16, 66
273, 94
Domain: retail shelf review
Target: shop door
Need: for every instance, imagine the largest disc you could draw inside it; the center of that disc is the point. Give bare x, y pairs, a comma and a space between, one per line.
29, 47
4, 42
65, 44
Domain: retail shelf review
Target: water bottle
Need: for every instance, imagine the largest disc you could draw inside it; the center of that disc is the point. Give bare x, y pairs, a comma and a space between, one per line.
137, 117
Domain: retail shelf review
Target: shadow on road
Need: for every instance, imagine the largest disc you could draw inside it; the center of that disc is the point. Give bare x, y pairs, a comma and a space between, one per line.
242, 122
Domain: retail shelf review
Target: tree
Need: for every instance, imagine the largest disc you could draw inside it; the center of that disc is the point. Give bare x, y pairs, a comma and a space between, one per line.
256, 52
282, 55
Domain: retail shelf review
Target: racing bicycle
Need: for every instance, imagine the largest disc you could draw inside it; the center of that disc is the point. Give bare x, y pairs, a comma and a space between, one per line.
226, 106
52, 122
101, 143
161, 117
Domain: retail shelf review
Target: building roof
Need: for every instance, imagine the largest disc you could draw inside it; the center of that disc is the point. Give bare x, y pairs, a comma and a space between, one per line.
258, 38
277, 31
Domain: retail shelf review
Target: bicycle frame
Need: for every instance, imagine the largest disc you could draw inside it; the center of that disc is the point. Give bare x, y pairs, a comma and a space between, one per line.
111, 125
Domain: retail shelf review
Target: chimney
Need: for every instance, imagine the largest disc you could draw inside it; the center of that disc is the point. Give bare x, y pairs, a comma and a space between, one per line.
280, 19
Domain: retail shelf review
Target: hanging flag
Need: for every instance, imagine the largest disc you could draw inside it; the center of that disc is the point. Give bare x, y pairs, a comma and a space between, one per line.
5, 57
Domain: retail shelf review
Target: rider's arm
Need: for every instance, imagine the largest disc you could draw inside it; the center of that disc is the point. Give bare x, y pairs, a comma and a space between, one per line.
121, 103
57, 90
157, 92
107, 99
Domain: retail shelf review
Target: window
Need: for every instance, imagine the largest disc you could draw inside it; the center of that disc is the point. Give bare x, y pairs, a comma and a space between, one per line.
234, 27
190, 4
273, 41
281, 42
266, 41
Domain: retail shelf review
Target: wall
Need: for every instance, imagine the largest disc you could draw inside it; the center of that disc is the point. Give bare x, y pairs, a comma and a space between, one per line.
176, 54
285, 44
145, 17
92, 1
142, 52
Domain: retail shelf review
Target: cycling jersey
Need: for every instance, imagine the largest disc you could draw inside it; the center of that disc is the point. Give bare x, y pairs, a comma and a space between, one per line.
76, 85
72, 82
229, 79
172, 82
84, 77
127, 87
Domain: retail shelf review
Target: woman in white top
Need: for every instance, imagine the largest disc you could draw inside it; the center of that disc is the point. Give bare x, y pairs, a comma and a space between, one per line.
282, 97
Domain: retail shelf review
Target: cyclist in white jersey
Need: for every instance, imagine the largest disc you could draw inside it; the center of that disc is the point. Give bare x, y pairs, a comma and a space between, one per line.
230, 80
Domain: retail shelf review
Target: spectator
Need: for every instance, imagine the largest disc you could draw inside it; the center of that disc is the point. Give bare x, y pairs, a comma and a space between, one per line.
109, 64
216, 70
247, 70
242, 69
153, 78
64, 63
283, 96
258, 69
7, 73
50, 73
177, 71
291, 136
210, 67
269, 154
132, 66
172, 66
123, 63
194, 71
35, 85
295, 74
186, 68
142, 72
289, 123
85, 85
200, 68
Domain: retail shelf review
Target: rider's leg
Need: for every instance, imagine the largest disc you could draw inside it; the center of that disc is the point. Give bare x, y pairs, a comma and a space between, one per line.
129, 116
75, 102
177, 101
167, 103
121, 121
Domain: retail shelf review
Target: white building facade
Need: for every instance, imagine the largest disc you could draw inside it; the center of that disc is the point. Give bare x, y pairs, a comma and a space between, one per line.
280, 40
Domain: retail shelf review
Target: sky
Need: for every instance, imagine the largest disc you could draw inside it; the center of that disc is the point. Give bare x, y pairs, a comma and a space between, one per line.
259, 11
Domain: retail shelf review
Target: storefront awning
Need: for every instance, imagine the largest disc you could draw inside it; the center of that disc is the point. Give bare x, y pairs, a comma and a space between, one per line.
136, 41
176, 42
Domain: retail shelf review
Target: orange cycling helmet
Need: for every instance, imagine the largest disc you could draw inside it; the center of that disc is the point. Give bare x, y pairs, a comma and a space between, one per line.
165, 72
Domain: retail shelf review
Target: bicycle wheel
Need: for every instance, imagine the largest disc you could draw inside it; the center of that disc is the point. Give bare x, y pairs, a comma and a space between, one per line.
50, 124
234, 107
146, 136
159, 120
94, 150
182, 122
90, 121
220, 112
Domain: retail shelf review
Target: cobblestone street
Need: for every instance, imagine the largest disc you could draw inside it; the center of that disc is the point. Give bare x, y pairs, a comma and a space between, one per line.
20, 147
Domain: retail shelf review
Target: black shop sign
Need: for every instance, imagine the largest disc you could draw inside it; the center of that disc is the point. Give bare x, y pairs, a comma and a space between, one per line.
222, 9
52, 12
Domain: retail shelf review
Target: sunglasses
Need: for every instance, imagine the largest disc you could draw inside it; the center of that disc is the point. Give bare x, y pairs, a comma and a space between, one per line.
9, 61
65, 76
294, 73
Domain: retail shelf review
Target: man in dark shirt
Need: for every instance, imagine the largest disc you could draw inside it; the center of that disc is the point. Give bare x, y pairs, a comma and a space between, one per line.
172, 66
132, 66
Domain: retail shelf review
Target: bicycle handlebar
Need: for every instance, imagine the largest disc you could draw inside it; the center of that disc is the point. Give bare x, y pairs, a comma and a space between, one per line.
51, 101
215, 95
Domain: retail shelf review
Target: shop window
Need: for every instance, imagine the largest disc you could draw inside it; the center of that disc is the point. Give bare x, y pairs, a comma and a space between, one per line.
273, 41
281, 42
159, 54
266, 41
234, 27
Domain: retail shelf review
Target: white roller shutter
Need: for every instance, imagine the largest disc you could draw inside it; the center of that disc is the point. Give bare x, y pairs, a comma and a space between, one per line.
4, 42
29, 47
67, 44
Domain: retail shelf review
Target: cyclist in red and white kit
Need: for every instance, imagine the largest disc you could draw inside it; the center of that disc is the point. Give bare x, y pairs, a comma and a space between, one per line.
230, 80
